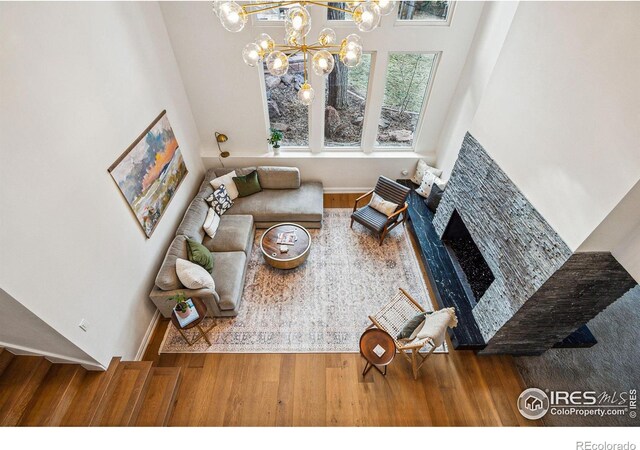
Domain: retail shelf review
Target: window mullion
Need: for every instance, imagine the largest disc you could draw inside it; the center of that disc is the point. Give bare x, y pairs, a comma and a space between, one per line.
376, 97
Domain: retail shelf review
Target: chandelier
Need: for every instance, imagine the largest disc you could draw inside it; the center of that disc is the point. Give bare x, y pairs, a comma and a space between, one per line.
297, 23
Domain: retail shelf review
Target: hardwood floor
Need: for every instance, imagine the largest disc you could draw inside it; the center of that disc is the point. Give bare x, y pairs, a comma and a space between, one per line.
455, 389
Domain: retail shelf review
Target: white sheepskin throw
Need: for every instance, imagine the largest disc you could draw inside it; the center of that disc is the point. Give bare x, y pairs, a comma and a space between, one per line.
436, 324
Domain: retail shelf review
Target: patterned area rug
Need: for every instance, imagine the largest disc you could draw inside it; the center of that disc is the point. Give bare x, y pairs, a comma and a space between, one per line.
321, 306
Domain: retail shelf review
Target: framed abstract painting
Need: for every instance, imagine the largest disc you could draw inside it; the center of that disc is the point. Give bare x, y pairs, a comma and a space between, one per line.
150, 172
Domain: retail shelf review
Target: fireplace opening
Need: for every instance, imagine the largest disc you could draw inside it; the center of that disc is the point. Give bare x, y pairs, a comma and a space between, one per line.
470, 265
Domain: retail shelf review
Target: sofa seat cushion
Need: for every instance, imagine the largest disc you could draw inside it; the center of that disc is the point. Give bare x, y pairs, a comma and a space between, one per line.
370, 218
235, 234
167, 278
283, 205
228, 274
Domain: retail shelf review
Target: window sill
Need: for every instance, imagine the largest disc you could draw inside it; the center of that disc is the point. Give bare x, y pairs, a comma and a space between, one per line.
285, 154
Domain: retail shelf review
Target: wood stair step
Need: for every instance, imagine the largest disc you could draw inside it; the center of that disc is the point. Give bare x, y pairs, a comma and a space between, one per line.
20, 380
159, 400
121, 403
52, 399
85, 404
5, 358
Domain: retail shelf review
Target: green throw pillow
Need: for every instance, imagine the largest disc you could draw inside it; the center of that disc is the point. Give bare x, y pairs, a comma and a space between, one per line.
199, 254
247, 184
410, 327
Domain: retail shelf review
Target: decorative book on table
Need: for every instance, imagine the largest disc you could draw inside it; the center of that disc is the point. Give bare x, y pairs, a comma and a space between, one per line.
193, 314
287, 238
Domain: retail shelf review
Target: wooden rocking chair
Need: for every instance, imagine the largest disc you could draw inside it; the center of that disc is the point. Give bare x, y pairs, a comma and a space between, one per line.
393, 317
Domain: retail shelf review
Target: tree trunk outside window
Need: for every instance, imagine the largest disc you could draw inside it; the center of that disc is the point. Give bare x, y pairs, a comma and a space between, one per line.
407, 10
338, 79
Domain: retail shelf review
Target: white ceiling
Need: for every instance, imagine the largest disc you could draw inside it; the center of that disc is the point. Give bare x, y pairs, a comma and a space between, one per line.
226, 95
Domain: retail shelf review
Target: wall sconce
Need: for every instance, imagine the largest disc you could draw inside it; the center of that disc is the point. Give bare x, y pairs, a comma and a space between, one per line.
221, 138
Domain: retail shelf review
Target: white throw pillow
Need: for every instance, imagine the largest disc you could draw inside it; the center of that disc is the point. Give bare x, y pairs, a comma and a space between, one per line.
194, 276
381, 205
421, 168
427, 183
228, 182
211, 223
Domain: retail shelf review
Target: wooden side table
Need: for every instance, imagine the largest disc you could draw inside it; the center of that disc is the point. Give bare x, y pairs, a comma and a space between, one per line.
375, 339
201, 308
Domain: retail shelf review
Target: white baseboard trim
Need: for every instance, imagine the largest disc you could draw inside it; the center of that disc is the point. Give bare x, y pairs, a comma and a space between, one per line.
147, 336
53, 357
346, 190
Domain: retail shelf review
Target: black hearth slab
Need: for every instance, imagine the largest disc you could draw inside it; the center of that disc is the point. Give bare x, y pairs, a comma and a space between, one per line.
442, 275
581, 338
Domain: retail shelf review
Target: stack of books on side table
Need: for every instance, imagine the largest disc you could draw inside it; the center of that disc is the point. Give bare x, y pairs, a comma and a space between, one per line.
193, 314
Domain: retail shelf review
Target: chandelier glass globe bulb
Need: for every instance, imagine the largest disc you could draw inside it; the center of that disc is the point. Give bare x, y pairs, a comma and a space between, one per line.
252, 54
232, 17
266, 43
366, 16
293, 38
353, 40
386, 6
216, 8
322, 63
277, 63
351, 54
298, 20
306, 94
352, 5
327, 36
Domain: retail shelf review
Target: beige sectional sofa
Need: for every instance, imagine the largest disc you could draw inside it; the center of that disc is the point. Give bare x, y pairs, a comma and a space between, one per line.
284, 198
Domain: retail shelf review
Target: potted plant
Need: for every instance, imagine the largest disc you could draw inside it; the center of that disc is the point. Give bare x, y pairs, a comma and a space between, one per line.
182, 307
274, 139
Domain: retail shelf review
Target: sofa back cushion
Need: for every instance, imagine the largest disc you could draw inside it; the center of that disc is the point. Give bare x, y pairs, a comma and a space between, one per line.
272, 177
167, 278
193, 220
221, 171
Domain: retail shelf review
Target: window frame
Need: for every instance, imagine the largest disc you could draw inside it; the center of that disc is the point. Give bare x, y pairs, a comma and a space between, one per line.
426, 22
351, 148
423, 109
267, 120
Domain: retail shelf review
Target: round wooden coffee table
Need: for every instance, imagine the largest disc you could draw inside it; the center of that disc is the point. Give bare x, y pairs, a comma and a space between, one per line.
295, 255
377, 348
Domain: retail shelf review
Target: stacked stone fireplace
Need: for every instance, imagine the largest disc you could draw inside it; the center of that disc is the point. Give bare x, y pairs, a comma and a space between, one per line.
528, 289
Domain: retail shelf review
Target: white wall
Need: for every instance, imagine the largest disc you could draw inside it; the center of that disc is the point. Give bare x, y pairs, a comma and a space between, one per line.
79, 82
619, 233
561, 113
23, 332
227, 96
490, 35
349, 172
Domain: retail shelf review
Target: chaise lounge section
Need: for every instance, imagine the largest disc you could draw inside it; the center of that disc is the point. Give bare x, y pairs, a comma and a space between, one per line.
284, 198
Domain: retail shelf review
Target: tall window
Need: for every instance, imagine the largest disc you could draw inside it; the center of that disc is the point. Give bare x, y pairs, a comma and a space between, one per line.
271, 14
286, 112
434, 11
408, 77
346, 98
333, 14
